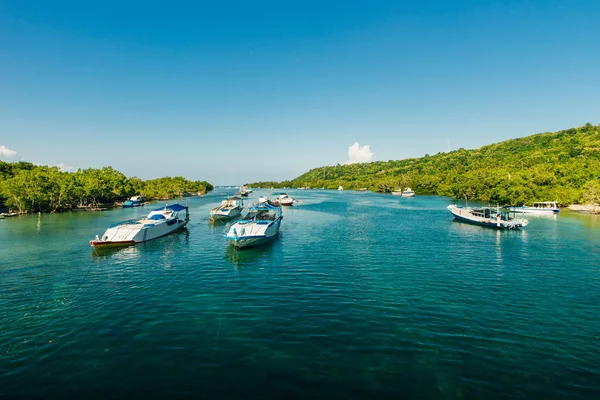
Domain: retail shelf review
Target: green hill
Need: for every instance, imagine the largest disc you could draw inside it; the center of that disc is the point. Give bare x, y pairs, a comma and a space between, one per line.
562, 166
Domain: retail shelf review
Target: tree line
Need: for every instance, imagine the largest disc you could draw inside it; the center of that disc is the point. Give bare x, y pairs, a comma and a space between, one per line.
563, 166
26, 187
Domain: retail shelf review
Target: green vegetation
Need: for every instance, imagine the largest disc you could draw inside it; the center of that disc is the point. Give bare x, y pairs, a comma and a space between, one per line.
26, 187
562, 166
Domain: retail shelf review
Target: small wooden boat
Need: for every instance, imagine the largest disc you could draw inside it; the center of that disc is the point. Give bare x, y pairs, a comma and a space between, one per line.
492, 217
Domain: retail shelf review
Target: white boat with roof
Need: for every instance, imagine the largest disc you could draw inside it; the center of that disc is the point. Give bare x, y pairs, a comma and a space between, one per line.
259, 226
134, 201
539, 207
408, 192
340, 188
229, 209
160, 222
492, 217
285, 200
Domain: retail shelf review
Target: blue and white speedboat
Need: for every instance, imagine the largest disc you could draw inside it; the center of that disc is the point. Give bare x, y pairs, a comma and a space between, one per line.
159, 222
259, 226
135, 201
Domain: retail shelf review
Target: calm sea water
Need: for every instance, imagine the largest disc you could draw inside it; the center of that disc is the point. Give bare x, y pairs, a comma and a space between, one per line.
361, 296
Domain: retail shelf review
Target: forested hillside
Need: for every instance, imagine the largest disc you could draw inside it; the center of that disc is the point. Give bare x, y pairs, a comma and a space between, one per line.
26, 187
562, 166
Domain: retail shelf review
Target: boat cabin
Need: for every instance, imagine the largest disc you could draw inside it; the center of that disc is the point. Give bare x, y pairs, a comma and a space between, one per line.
545, 204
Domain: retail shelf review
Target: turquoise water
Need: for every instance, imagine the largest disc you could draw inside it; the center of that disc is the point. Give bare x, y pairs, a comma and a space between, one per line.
362, 296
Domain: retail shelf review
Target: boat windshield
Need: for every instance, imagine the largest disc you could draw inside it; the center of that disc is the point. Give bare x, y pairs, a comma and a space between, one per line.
261, 215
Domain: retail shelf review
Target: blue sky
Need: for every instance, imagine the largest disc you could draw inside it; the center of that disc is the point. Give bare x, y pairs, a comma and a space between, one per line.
240, 91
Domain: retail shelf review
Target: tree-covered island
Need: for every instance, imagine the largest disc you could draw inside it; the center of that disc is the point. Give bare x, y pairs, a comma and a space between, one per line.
26, 187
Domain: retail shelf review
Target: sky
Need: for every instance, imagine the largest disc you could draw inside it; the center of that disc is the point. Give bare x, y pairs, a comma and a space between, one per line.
241, 91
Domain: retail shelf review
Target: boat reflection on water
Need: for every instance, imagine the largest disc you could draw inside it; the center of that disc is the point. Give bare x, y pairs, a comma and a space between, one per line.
241, 257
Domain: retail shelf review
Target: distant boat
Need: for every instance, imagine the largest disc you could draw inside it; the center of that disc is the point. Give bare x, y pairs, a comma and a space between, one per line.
229, 209
244, 191
259, 226
8, 214
160, 222
135, 201
492, 217
340, 188
408, 192
540, 207
362, 189
285, 200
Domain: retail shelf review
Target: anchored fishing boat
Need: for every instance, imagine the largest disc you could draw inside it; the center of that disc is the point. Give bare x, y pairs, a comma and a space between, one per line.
259, 226
492, 217
244, 191
229, 209
160, 222
540, 207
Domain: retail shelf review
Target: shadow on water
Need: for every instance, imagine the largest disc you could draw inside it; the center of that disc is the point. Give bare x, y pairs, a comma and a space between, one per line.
245, 256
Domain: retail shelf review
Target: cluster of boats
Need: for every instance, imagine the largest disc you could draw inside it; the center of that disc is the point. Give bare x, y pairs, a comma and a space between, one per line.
263, 219
258, 226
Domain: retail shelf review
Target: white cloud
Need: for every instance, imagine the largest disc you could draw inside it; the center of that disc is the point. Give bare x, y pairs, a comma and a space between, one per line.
6, 152
359, 154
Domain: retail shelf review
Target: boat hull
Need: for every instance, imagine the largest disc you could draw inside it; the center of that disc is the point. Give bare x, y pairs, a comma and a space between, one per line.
533, 210
257, 236
464, 215
131, 236
226, 216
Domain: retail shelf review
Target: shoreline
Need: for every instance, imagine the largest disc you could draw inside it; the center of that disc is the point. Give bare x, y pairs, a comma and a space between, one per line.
585, 208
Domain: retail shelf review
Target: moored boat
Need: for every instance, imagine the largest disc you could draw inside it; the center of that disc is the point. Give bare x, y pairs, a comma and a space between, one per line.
408, 192
229, 209
285, 200
340, 188
540, 207
160, 222
259, 226
135, 201
492, 217
244, 191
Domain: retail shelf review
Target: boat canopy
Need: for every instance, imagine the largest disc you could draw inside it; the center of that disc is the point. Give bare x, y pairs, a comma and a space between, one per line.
172, 207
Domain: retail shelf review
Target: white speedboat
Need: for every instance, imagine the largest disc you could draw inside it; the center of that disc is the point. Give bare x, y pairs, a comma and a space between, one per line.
229, 209
159, 222
540, 207
408, 192
259, 226
285, 200
492, 217
340, 188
